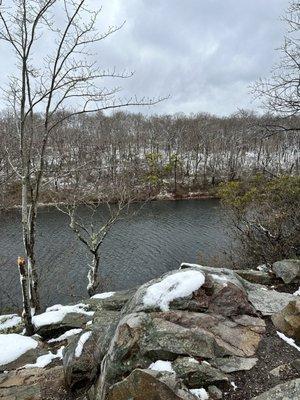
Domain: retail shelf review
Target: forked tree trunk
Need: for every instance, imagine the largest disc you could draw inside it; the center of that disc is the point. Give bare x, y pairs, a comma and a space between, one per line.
26, 314
93, 277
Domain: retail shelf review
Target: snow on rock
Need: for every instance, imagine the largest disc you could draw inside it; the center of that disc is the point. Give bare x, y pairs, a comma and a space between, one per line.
56, 314
297, 293
14, 346
288, 340
45, 359
201, 393
103, 295
83, 338
9, 321
65, 335
161, 366
179, 284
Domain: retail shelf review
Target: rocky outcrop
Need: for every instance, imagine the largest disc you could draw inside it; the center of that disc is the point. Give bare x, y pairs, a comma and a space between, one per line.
33, 384
176, 337
285, 391
287, 270
287, 320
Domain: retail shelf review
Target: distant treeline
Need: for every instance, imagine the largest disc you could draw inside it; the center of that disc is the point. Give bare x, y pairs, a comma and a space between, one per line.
153, 154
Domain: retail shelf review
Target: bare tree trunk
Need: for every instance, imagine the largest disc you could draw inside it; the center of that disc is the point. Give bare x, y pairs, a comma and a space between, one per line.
26, 314
93, 277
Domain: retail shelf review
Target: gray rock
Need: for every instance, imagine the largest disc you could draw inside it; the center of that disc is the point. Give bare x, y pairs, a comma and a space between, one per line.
233, 364
285, 391
268, 302
70, 321
113, 303
197, 374
287, 270
214, 392
81, 372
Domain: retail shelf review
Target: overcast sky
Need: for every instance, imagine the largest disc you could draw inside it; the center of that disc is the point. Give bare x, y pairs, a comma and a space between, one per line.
203, 53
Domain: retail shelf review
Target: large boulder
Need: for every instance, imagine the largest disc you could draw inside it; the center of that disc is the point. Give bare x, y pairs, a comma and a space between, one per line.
33, 384
285, 391
287, 320
253, 276
111, 301
150, 385
287, 270
233, 363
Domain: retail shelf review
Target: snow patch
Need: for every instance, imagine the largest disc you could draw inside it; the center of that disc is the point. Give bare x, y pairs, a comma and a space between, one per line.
14, 346
65, 335
103, 295
56, 314
288, 340
180, 284
83, 338
161, 366
200, 393
45, 359
297, 293
233, 385
9, 321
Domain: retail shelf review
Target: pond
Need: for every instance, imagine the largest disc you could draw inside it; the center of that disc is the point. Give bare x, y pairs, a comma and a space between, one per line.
157, 239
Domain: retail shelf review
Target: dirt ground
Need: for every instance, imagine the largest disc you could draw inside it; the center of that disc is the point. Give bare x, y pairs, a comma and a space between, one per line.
272, 352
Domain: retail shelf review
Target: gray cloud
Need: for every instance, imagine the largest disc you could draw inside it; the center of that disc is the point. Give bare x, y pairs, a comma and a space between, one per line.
204, 53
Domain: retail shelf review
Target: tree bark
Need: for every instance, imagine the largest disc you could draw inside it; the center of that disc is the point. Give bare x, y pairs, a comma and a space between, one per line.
26, 314
93, 278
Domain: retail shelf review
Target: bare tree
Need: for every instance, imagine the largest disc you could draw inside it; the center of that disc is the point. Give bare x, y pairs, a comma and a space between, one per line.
67, 77
92, 231
281, 91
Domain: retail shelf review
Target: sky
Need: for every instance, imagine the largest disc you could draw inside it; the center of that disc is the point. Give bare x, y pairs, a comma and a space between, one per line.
203, 54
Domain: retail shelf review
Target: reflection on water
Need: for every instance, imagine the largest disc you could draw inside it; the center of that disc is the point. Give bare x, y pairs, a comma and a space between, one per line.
154, 241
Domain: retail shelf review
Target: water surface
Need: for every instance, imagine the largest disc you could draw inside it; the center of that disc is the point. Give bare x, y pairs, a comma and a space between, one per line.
156, 240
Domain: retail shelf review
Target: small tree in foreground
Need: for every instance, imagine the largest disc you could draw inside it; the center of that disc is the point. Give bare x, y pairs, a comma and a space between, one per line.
265, 217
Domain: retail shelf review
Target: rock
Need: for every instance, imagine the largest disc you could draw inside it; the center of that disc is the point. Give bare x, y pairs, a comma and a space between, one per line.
253, 276
287, 320
150, 385
17, 350
33, 384
287, 270
285, 391
214, 392
233, 364
115, 302
69, 321
197, 374
268, 302
280, 370
81, 372
11, 323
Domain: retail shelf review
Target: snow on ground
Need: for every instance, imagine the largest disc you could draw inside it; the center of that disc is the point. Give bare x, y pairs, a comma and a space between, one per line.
56, 313
83, 338
65, 335
233, 385
179, 284
103, 295
9, 321
161, 366
14, 346
45, 359
288, 340
201, 393
297, 293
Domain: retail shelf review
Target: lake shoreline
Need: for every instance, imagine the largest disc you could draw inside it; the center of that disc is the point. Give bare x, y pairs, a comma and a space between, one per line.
167, 196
